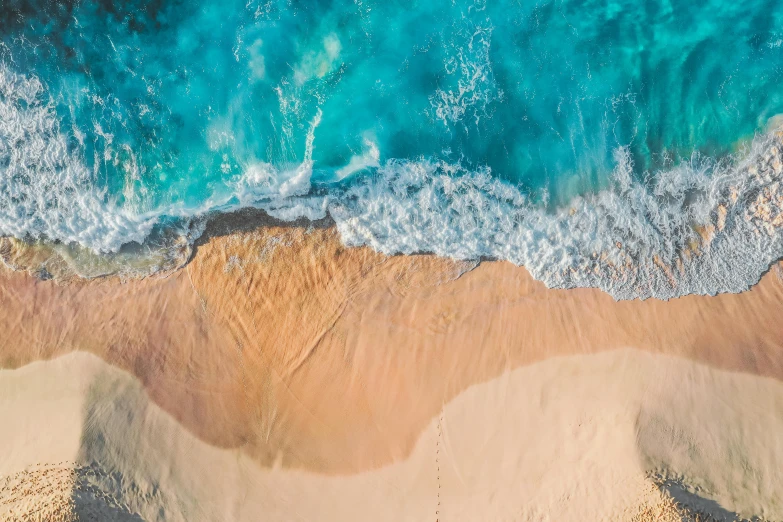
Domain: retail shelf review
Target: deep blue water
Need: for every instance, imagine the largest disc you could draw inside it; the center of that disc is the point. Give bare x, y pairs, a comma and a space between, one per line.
166, 108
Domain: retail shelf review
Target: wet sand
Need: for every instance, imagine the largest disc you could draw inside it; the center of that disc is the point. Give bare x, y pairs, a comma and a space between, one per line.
292, 352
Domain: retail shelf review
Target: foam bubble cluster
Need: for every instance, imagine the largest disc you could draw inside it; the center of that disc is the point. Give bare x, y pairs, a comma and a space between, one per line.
703, 227
45, 189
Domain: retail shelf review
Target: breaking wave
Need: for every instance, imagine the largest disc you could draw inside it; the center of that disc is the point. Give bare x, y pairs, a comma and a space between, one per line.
45, 188
703, 226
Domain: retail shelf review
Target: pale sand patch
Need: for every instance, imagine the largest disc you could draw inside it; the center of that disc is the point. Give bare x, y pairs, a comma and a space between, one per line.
42, 407
47, 399
567, 439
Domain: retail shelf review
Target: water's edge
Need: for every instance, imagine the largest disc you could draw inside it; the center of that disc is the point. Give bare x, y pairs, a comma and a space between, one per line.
702, 228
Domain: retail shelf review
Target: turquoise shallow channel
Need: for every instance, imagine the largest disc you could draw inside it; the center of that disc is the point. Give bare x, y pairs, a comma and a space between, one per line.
545, 133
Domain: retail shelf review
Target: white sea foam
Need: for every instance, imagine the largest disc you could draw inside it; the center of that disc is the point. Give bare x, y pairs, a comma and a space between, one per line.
369, 159
702, 227
47, 192
45, 188
474, 88
283, 193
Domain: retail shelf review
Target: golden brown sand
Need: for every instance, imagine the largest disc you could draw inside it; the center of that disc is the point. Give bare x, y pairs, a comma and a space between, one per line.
291, 352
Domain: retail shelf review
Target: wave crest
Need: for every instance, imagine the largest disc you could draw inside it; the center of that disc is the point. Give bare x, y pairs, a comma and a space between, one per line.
703, 227
46, 191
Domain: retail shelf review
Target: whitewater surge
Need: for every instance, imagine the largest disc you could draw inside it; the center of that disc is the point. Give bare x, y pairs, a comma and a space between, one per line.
45, 188
702, 227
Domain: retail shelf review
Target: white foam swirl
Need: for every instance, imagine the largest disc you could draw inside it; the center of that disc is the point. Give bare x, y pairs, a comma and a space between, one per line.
45, 188
474, 86
703, 227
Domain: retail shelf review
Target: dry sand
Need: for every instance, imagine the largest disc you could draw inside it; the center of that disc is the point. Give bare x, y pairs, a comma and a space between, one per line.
573, 438
281, 373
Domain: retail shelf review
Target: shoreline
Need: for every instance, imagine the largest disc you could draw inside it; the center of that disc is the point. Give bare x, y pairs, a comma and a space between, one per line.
686, 240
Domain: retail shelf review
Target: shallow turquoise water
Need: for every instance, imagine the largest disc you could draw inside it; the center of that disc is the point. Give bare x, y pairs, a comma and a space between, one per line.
173, 108
541, 92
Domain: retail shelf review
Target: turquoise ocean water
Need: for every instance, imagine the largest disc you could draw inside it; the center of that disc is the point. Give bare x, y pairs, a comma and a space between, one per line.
587, 140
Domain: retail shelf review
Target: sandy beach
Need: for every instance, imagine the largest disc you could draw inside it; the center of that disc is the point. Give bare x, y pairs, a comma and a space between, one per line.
280, 372
371, 261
